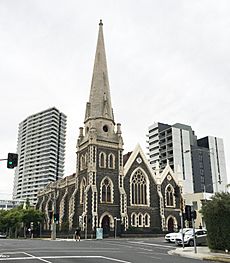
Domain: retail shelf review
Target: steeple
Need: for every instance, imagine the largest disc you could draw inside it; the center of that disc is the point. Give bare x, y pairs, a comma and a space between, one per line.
99, 105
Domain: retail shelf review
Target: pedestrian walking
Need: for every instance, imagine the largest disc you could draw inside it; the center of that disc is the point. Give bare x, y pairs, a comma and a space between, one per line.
78, 234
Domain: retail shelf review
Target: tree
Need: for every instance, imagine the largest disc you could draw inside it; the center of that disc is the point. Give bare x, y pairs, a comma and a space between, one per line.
17, 220
216, 214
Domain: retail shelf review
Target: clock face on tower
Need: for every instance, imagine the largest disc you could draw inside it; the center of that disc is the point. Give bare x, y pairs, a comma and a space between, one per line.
139, 160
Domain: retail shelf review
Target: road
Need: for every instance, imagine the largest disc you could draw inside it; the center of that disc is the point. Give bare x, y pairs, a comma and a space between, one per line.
89, 251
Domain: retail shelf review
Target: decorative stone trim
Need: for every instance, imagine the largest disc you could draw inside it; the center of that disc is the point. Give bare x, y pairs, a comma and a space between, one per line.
111, 189
169, 190
144, 188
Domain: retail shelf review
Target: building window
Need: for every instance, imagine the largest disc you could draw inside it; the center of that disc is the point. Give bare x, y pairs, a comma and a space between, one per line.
106, 190
111, 161
146, 220
102, 160
86, 161
82, 190
169, 195
82, 160
138, 188
133, 219
140, 220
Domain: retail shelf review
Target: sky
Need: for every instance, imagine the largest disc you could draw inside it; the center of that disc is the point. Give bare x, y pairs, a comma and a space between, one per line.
168, 61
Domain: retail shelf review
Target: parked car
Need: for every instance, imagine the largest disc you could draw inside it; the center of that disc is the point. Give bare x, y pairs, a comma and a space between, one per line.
171, 237
2, 235
200, 235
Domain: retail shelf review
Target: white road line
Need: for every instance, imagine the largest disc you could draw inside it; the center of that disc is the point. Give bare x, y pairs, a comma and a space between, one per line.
118, 260
150, 244
63, 257
36, 257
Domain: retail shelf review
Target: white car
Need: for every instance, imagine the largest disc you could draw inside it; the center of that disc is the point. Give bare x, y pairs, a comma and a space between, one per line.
200, 235
2, 235
171, 237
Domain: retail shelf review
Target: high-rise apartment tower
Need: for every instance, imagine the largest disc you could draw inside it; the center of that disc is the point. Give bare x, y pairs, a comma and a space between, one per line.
201, 162
41, 150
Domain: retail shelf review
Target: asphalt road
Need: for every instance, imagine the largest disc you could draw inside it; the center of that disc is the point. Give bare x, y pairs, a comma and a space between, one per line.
89, 251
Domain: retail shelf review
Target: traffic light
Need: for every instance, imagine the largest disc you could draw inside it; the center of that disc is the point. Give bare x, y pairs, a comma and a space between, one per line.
12, 160
50, 215
188, 212
56, 217
193, 214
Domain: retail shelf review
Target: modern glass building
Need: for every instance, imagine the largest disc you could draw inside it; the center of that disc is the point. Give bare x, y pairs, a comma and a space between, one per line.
41, 150
201, 162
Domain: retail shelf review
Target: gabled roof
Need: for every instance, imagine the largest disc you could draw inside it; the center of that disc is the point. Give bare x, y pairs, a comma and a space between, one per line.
132, 158
175, 175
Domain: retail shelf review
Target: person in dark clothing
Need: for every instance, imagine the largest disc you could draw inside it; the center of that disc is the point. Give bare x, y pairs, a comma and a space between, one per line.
78, 234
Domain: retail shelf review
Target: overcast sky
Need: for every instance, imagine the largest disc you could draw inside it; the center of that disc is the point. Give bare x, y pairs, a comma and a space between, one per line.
168, 61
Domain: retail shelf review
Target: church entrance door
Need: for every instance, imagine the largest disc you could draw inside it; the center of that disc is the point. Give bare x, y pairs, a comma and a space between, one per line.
171, 225
106, 226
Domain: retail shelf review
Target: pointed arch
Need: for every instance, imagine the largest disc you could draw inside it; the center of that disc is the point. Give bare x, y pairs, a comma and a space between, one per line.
171, 223
146, 220
106, 190
140, 220
111, 161
102, 160
82, 189
169, 196
86, 161
139, 188
82, 162
111, 219
134, 219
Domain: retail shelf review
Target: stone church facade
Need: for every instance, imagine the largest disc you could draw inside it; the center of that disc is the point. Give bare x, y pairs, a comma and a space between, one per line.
110, 189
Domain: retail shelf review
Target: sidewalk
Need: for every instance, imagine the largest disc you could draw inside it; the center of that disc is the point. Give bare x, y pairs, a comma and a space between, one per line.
203, 253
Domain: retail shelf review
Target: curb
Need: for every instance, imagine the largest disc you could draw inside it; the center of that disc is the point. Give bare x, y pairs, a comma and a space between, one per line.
200, 256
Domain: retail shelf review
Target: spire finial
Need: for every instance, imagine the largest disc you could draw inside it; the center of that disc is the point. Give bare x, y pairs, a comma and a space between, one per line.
100, 24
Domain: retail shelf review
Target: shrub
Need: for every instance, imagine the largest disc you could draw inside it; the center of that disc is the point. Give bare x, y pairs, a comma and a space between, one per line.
216, 214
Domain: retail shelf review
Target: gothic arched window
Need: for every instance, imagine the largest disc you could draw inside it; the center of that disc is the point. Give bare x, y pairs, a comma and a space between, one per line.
146, 220
133, 219
169, 195
86, 161
140, 220
82, 162
111, 161
139, 188
106, 190
82, 190
102, 160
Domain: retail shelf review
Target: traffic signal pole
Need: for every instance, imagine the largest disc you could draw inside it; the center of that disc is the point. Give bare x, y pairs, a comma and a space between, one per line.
194, 235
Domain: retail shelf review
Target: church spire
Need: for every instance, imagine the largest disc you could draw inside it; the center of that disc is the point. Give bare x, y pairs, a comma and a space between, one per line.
99, 105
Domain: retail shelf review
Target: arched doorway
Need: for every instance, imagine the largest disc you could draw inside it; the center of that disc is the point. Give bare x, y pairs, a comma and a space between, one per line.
106, 225
171, 225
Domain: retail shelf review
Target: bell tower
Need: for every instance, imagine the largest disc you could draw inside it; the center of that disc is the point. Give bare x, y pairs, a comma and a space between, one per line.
100, 154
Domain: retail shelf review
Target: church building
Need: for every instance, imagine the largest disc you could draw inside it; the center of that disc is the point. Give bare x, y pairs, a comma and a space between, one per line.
111, 190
